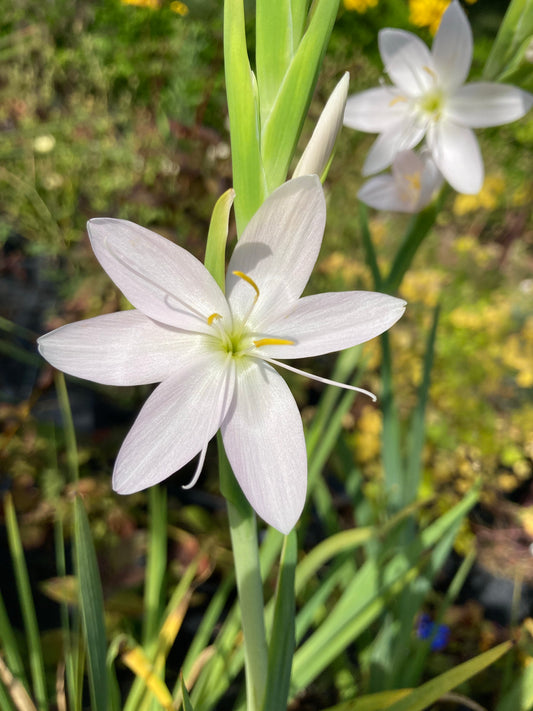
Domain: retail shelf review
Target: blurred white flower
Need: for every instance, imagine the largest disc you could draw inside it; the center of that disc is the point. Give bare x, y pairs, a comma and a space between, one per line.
409, 187
429, 98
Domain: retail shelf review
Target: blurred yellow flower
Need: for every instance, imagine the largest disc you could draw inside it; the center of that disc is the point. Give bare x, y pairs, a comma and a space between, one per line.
367, 438
359, 5
487, 198
423, 286
152, 4
518, 354
180, 8
427, 13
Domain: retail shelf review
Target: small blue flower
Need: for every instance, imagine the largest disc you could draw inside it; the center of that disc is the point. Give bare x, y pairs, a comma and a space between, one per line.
427, 629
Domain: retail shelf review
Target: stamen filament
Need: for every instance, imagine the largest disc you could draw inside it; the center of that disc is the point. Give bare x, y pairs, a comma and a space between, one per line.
326, 381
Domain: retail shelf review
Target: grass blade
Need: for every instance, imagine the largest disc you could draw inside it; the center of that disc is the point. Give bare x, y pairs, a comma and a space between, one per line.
427, 694
31, 627
281, 648
91, 605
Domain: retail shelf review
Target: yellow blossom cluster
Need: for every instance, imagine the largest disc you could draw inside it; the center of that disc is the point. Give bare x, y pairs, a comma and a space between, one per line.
518, 354
487, 198
482, 255
359, 5
428, 13
180, 8
423, 286
339, 266
367, 437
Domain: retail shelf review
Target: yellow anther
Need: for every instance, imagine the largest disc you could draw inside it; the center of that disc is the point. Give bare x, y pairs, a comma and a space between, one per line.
397, 100
273, 342
430, 72
414, 180
250, 281
212, 318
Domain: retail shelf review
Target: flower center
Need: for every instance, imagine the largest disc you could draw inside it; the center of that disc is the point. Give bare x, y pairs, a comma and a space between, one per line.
234, 339
432, 103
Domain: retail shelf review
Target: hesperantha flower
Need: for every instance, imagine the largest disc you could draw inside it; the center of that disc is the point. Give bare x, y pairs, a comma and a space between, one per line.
409, 187
213, 353
429, 98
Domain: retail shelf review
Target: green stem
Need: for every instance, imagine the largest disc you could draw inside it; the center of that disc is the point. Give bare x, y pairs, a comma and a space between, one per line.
243, 530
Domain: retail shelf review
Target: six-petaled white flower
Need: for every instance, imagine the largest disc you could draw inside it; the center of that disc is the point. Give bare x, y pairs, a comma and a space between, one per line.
429, 98
409, 187
213, 353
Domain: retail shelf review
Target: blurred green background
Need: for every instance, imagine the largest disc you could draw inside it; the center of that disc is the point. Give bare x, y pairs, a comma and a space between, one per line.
118, 109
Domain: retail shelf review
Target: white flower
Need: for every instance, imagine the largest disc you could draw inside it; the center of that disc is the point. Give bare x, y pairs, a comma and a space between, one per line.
317, 153
408, 188
429, 98
212, 353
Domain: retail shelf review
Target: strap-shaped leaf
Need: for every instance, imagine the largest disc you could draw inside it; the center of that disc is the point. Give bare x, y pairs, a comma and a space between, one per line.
282, 640
274, 49
215, 250
281, 131
92, 606
419, 699
513, 36
241, 90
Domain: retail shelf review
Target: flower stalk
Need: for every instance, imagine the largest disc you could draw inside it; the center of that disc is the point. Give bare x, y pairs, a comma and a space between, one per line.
243, 531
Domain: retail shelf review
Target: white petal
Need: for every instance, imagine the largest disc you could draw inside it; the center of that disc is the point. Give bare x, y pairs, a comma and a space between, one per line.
318, 151
278, 250
431, 180
456, 153
375, 110
124, 348
407, 60
157, 276
329, 322
177, 420
400, 137
381, 194
483, 104
452, 47
264, 440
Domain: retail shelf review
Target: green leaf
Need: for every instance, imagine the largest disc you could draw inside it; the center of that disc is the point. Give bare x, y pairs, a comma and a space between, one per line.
187, 705
273, 51
281, 648
9, 646
248, 172
427, 694
369, 594
370, 252
281, 131
372, 702
520, 696
516, 28
27, 606
156, 565
417, 428
417, 231
299, 10
91, 605
215, 251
